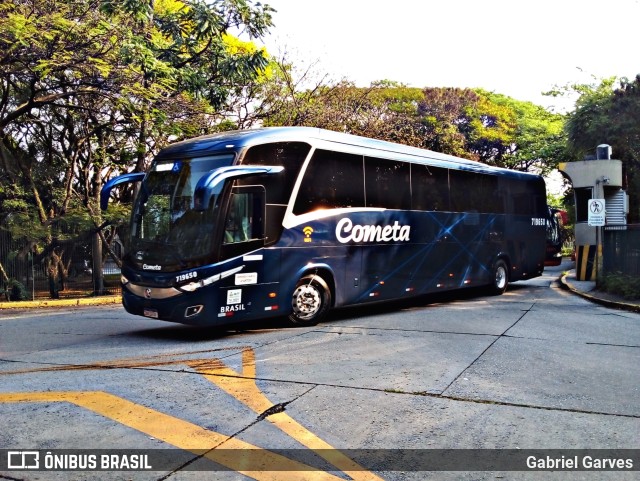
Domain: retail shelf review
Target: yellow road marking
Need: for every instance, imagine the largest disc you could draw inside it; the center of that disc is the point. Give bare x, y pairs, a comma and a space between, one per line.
191, 437
243, 387
180, 433
130, 363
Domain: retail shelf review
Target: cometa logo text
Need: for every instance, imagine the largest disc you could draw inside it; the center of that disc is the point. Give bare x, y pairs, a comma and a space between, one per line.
346, 232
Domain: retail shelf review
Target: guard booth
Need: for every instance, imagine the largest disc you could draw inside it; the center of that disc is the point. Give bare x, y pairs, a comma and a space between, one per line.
599, 200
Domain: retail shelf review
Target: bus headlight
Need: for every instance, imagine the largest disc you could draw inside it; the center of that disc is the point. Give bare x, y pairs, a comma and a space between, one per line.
192, 286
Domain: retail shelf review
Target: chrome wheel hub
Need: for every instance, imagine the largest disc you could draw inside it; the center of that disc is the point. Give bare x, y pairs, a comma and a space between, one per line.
501, 277
306, 301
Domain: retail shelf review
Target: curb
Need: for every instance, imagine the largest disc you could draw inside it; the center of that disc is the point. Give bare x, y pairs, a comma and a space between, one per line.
89, 301
599, 300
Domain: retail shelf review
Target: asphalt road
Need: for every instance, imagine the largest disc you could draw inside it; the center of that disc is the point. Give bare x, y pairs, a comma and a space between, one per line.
535, 368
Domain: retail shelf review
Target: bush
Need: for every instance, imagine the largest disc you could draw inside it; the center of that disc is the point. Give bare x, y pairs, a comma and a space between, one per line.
14, 291
624, 285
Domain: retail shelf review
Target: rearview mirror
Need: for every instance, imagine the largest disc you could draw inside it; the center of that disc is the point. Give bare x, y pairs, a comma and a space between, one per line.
121, 179
211, 183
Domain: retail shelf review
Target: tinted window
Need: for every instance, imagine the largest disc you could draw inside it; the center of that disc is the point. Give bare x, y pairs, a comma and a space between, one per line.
244, 217
527, 197
429, 188
522, 204
166, 226
387, 183
539, 189
486, 195
475, 192
289, 155
332, 180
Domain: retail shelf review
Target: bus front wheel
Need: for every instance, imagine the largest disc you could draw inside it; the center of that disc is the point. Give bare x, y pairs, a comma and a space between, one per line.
310, 301
500, 278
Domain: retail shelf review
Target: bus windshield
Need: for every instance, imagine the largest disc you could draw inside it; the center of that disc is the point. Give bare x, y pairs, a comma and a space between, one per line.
168, 231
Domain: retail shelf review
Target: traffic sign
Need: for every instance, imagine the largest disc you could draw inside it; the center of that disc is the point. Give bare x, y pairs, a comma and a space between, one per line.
596, 211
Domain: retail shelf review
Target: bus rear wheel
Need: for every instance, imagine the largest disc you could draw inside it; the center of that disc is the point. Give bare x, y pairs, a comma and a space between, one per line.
310, 301
500, 278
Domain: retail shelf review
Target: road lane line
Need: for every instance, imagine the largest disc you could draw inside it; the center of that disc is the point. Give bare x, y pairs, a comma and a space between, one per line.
181, 434
243, 387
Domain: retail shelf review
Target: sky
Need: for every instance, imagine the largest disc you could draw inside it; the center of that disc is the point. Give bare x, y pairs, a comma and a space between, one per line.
519, 48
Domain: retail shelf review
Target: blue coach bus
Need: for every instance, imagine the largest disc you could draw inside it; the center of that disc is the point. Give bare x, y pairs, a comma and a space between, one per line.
294, 221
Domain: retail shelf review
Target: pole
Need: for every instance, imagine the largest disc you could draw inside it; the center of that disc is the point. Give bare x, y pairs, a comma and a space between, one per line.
597, 259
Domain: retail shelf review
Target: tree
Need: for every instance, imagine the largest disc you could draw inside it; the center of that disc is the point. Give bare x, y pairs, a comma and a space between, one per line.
474, 124
609, 112
92, 87
536, 140
448, 115
493, 128
385, 110
49, 59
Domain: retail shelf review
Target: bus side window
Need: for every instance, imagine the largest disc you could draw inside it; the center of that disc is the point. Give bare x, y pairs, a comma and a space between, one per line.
387, 183
291, 156
244, 221
475, 192
429, 188
332, 180
525, 200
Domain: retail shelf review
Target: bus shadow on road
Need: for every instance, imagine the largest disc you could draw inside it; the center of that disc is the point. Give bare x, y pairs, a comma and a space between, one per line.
425, 301
195, 334
418, 302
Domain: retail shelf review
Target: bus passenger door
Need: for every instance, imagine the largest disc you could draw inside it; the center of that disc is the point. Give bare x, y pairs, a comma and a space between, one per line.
244, 234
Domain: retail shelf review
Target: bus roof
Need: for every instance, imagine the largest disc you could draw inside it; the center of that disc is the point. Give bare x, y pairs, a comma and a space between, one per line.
239, 139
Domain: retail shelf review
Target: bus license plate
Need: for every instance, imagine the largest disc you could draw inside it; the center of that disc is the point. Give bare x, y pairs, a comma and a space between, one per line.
151, 313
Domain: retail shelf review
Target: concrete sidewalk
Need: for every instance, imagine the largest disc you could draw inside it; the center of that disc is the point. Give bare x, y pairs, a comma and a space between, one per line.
587, 289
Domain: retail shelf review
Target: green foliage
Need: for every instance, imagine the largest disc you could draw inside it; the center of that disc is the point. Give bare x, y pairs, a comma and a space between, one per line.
94, 87
475, 124
14, 291
624, 285
609, 112
587, 126
555, 201
534, 138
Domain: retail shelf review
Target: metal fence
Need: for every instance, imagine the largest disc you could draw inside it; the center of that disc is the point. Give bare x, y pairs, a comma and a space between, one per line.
27, 270
621, 249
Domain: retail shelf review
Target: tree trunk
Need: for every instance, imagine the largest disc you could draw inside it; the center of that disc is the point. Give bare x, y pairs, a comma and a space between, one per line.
96, 266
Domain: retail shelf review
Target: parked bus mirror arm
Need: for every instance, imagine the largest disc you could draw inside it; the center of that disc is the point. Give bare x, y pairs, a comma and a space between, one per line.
211, 183
121, 179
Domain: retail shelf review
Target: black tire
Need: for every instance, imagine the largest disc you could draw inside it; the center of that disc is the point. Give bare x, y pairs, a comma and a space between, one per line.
310, 301
499, 278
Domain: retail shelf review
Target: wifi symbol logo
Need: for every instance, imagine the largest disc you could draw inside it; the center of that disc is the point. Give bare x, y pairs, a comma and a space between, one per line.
307, 231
